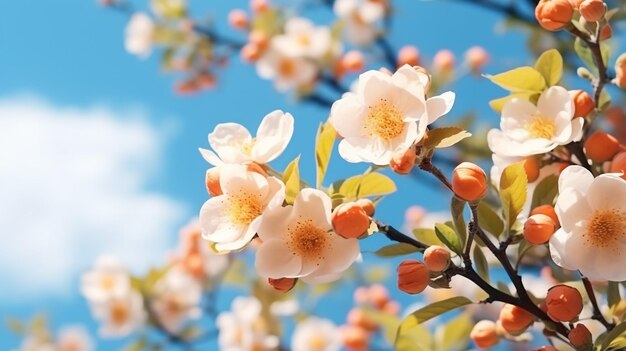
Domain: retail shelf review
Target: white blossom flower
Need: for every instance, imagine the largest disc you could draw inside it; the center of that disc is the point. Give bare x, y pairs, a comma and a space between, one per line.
231, 220
109, 278
243, 329
316, 334
527, 129
286, 71
360, 18
232, 142
386, 113
303, 39
193, 246
120, 316
139, 35
177, 299
298, 241
592, 213
73, 338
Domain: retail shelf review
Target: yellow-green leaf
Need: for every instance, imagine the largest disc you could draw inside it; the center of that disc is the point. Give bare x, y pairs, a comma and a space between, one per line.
449, 237
489, 220
445, 137
520, 80
456, 333
291, 178
324, 143
431, 311
618, 331
482, 266
498, 104
388, 323
550, 65
370, 184
397, 249
427, 236
513, 183
457, 208
545, 191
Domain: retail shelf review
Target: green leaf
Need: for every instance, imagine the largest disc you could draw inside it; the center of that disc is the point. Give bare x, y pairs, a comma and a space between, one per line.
456, 333
388, 323
604, 101
397, 249
618, 331
370, 184
520, 80
513, 183
482, 266
137, 345
448, 237
427, 236
445, 137
546, 191
324, 143
169, 9
291, 178
613, 295
550, 65
489, 220
584, 52
431, 311
456, 209
15, 325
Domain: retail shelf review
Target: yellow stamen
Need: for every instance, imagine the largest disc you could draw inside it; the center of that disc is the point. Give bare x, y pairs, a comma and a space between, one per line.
304, 40
287, 67
541, 127
244, 207
307, 240
384, 121
119, 312
606, 228
317, 342
107, 282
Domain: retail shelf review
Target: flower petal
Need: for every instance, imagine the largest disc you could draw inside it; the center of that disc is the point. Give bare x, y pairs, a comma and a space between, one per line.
315, 205
273, 136
607, 192
440, 105
555, 100
227, 139
210, 157
275, 260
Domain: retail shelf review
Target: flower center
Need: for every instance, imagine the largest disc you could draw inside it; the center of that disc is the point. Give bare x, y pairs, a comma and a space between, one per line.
605, 228
384, 121
107, 282
541, 127
308, 241
287, 67
317, 342
244, 207
119, 312
303, 40
174, 304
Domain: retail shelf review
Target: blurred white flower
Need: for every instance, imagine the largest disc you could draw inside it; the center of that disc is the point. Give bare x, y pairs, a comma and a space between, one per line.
196, 256
120, 316
316, 334
139, 35
385, 114
231, 220
242, 328
298, 241
233, 144
360, 18
73, 338
286, 71
526, 129
109, 278
34, 343
303, 39
177, 299
592, 213
285, 308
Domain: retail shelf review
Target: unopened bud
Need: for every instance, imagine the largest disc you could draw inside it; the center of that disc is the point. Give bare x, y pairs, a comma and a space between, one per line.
436, 258
563, 303
538, 229
444, 61
515, 320
532, 167
402, 161
250, 52
554, 15
601, 147
583, 103
259, 6
367, 205
352, 61
547, 210
469, 182
282, 284
620, 71
592, 10
350, 220
408, 55
484, 334
413, 276
212, 181
476, 58
580, 337
238, 19
618, 164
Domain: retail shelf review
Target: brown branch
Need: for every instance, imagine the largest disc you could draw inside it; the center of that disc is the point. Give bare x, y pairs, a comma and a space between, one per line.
597, 314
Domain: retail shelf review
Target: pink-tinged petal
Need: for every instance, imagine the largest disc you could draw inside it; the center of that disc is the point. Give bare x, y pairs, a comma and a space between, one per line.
275, 260
371, 11
210, 157
273, 136
555, 100
315, 205
276, 193
376, 87
571, 208
226, 139
607, 192
407, 76
610, 264
340, 255
247, 234
440, 105
236, 178
575, 177
577, 129
348, 152
275, 223
321, 279
215, 221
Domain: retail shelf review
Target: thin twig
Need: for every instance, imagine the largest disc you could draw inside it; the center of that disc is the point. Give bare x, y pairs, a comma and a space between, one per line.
395, 235
597, 314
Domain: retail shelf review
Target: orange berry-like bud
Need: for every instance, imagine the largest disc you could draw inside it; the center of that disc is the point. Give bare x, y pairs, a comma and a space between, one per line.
583, 103
355, 338
402, 161
206, 80
515, 320
476, 58
538, 229
258, 38
618, 165
282, 284
592, 10
361, 295
444, 61
391, 308
358, 318
212, 181
258, 6
485, 334
378, 295
532, 166
408, 55
601, 147
238, 19
194, 265
367, 205
554, 15
436, 258
547, 210
575, 4
413, 277
620, 71
564, 303
250, 52
580, 336
352, 61
606, 32
350, 220
469, 182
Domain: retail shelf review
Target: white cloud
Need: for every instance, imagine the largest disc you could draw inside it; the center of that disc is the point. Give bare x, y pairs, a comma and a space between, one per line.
72, 186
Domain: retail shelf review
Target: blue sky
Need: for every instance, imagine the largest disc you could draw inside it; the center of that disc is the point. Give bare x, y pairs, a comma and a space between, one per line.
66, 59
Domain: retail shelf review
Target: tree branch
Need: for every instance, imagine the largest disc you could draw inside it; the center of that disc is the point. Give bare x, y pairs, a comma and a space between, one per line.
597, 314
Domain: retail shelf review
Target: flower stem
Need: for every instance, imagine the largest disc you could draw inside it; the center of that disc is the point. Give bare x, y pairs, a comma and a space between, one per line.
597, 314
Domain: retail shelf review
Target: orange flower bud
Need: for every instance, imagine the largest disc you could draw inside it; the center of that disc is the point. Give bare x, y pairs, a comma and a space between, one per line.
618, 165
601, 147
258, 38
238, 19
515, 320
282, 284
391, 308
349, 220
413, 277
554, 15
367, 205
408, 55
361, 295
402, 161
444, 61
187, 87
564, 303
583, 103
194, 265
358, 318
580, 336
592, 10
378, 295
258, 6
212, 181
476, 58
250, 52
355, 338
485, 334
547, 210
538, 229
255, 167
575, 4
606, 32
352, 61
436, 258
469, 182
620, 68
532, 166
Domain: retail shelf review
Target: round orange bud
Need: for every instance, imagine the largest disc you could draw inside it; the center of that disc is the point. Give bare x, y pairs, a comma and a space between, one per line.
469, 182
515, 320
282, 284
367, 205
352, 61
187, 87
258, 38
349, 220
538, 229
212, 181
355, 338
554, 15
391, 308
194, 264
564, 303
485, 334
256, 168
402, 161
378, 295
601, 147
413, 277
444, 61
476, 58
580, 336
409, 55
532, 166
358, 318
547, 210
618, 165
583, 103
606, 32
592, 10
206, 80
361, 295
250, 53
620, 71
258, 6
576, 3
238, 19
436, 258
